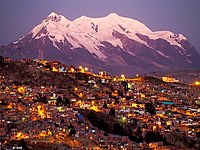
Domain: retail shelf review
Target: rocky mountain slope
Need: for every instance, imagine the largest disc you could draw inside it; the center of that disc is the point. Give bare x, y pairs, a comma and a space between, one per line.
112, 43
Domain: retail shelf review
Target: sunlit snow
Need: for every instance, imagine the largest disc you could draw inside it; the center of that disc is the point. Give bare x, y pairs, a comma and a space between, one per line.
89, 32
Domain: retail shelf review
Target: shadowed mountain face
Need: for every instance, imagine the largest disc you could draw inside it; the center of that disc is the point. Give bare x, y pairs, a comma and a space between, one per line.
112, 43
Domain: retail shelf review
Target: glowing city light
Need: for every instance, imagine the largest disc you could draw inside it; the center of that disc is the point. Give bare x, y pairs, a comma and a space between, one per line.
197, 83
21, 90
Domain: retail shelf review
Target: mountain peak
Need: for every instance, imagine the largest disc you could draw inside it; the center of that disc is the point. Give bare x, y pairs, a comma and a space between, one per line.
112, 43
83, 17
55, 17
53, 14
113, 15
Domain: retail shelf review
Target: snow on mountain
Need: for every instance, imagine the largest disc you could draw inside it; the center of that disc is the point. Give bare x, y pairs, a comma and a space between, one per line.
107, 42
58, 28
170, 37
102, 28
89, 32
162, 54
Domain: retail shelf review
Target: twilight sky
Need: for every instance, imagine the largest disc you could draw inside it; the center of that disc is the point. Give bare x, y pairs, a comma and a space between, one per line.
18, 17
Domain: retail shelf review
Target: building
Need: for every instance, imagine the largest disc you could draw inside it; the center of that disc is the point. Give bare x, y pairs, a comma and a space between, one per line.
169, 79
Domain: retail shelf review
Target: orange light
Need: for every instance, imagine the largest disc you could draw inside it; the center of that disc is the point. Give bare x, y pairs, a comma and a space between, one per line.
49, 133
34, 118
9, 105
95, 108
42, 134
123, 76
41, 111
20, 108
21, 90
19, 135
154, 128
82, 70
71, 70
197, 83
80, 94
92, 102
54, 69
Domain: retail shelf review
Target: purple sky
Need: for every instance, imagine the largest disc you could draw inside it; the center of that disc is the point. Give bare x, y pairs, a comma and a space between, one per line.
18, 17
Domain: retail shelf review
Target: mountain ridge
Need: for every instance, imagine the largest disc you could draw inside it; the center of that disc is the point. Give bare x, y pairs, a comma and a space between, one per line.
106, 43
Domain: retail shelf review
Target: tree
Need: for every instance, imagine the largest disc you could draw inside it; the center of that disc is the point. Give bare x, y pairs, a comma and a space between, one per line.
125, 84
149, 107
118, 129
198, 134
72, 132
91, 115
120, 93
112, 112
23, 144
44, 99
59, 101
71, 126
19, 100
62, 121
112, 88
149, 137
103, 125
139, 131
67, 102
133, 123
153, 137
56, 125
116, 100
105, 105
1, 60
105, 134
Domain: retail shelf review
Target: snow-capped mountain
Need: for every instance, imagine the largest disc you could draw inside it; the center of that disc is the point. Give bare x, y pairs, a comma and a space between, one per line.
112, 43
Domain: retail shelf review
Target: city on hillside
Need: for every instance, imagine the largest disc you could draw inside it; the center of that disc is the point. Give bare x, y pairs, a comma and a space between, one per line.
48, 105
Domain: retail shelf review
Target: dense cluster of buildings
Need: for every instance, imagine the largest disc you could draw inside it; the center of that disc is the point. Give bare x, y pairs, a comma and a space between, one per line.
49, 114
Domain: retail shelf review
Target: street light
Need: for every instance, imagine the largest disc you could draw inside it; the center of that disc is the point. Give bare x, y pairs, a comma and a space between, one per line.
123, 76
197, 83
